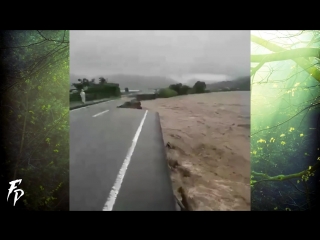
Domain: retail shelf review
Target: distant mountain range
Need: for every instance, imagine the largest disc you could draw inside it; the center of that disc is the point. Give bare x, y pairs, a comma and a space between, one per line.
242, 83
145, 82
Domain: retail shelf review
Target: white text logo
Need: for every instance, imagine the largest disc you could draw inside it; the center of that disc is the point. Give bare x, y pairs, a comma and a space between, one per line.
12, 187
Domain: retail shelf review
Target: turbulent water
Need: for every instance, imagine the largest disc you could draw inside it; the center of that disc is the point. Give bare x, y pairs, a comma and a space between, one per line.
210, 157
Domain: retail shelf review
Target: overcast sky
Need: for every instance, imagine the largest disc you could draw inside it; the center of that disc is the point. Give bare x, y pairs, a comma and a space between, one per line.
211, 55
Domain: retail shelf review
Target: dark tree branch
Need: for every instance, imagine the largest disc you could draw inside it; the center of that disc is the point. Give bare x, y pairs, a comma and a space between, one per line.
306, 108
25, 46
285, 177
53, 40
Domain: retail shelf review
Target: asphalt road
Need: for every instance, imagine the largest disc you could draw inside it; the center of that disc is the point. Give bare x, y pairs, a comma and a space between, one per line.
104, 174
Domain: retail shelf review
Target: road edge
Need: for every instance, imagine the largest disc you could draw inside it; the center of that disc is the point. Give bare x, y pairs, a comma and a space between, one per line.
89, 104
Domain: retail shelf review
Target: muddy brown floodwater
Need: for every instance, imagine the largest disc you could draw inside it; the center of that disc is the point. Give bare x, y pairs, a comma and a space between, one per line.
209, 147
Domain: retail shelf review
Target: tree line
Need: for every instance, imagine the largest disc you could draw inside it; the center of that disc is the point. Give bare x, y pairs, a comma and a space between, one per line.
182, 89
94, 91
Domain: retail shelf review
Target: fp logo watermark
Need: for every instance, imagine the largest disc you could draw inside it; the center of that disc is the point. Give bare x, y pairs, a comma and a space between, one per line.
12, 187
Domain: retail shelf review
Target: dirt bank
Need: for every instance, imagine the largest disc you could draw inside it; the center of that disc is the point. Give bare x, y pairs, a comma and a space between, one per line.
209, 150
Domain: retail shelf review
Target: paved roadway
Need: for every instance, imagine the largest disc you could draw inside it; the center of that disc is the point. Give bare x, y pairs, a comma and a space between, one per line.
100, 138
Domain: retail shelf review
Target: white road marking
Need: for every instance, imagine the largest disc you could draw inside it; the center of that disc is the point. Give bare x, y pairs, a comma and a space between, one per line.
108, 206
98, 114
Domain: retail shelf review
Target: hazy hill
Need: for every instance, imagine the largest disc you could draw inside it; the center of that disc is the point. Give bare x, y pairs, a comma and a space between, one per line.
134, 82
242, 83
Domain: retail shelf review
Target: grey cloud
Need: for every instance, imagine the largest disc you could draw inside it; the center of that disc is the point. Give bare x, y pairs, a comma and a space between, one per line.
160, 52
